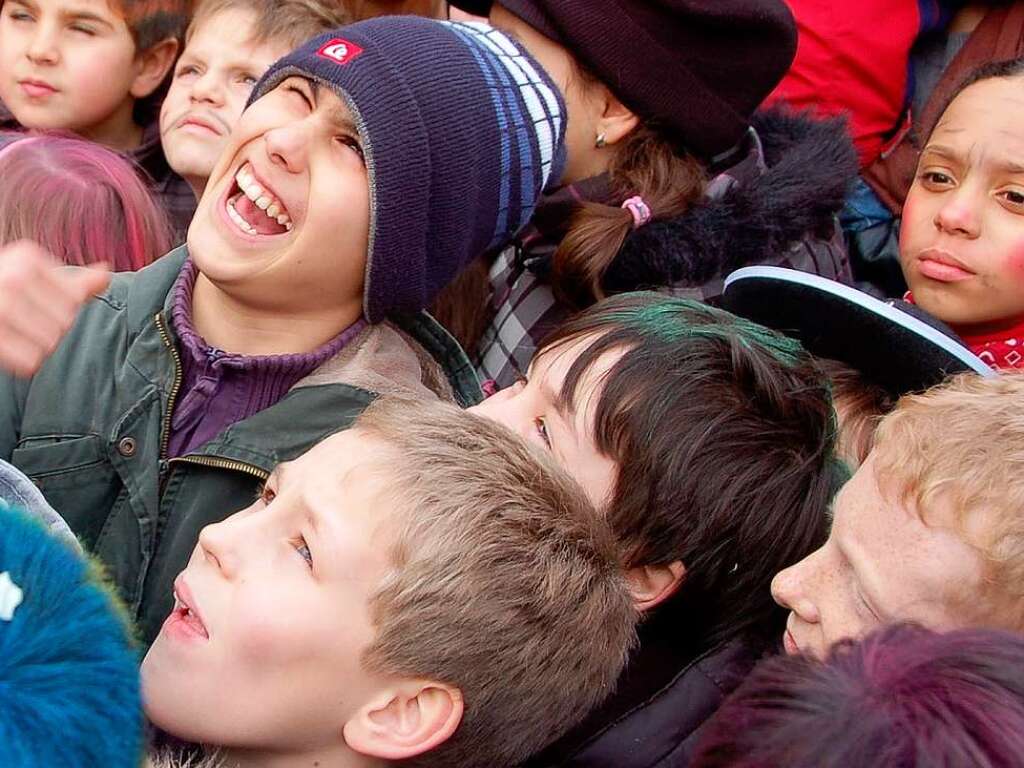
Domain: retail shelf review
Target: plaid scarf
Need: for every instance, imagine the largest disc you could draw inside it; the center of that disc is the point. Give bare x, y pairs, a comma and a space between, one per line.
524, 308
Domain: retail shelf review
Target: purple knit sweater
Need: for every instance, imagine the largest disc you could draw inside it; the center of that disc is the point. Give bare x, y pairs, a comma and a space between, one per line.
219, 388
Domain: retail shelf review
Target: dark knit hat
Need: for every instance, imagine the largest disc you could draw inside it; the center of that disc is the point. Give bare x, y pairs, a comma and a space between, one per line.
698, 67
893, 344
461, 131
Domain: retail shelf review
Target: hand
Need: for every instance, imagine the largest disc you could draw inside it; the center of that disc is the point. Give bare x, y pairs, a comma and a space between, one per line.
39, 301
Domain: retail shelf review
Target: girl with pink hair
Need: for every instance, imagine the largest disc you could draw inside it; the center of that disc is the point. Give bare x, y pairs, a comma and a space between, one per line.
82, 202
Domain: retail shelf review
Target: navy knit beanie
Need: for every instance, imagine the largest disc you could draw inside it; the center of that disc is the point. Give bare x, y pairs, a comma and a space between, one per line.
461, 131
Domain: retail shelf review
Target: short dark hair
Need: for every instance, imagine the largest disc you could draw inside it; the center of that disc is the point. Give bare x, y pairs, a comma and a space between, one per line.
724, 435
904, 696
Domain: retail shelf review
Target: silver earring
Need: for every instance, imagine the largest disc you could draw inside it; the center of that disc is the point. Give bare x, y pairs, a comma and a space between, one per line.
600, 142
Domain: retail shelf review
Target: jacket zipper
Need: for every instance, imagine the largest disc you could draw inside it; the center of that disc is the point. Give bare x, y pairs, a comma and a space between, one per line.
213, 461
165, 433
165, 437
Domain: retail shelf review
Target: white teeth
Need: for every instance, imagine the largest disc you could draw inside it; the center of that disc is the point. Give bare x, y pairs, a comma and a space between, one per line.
241, 223
261, 199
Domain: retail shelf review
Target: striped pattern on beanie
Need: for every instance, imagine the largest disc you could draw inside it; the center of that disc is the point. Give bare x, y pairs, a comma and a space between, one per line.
462, 131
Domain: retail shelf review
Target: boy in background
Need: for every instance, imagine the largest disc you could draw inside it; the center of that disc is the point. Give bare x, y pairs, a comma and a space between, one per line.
228, 46
92, 67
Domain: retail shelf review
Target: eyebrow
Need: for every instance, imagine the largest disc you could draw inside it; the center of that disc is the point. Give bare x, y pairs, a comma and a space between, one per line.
86, 16
1007, 165
561, 405
337, 114
941, 150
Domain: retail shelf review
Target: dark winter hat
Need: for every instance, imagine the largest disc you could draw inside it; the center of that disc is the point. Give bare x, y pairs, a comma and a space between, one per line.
894, 344
698, 67
461, 131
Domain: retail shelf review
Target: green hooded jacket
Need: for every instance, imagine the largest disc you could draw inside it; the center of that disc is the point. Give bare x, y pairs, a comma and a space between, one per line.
91, 428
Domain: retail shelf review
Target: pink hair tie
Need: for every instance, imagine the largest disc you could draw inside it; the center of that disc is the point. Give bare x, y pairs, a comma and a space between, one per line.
639, 209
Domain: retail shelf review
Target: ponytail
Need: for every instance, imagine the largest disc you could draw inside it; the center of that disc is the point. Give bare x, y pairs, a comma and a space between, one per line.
647, 165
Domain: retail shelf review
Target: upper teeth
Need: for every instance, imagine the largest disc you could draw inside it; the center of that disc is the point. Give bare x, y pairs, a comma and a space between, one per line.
262, 198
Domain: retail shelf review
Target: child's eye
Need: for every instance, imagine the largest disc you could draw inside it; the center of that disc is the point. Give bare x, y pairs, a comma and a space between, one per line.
936, 178
1013, 197
186, 69
19, 16
303, 549
353, 144
301, 93
542, 431
248, 80
83, 29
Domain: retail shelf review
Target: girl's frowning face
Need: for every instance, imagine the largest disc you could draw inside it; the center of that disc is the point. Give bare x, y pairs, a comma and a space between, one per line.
962, 237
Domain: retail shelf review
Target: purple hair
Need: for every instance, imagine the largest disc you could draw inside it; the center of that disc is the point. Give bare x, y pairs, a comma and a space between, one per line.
82, 202
902, 697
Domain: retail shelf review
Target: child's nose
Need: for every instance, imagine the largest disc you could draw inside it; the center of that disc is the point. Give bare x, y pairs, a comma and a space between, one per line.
217, 544
208, 89
959, 214
503, 408
288, 145
43, 48
787, 589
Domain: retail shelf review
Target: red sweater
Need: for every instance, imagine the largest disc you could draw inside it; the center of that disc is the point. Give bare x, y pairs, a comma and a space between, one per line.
854, 59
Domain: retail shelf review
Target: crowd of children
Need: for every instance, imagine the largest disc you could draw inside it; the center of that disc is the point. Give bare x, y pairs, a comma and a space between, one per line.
507, 384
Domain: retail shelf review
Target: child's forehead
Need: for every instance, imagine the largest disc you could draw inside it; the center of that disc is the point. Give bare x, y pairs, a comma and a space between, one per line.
991, 110
346, 459
236, 29
238, 21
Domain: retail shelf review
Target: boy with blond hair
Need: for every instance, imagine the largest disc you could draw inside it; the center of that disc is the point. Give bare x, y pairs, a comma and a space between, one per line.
228, 46
929, 529
92, 67
422, 587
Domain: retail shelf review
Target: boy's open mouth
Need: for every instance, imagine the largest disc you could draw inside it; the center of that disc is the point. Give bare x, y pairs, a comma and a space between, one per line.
254, 209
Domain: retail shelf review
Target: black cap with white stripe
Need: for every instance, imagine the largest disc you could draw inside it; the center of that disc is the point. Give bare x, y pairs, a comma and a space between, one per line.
893, 344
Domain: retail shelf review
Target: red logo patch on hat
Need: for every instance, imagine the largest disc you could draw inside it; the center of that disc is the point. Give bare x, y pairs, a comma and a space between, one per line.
339, 51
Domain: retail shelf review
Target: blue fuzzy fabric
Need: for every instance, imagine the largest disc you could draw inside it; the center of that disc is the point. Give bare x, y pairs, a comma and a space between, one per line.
69, 668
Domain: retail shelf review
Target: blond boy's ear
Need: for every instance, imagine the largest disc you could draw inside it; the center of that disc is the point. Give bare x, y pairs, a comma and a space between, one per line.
651, 585
152, 66
405, 720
